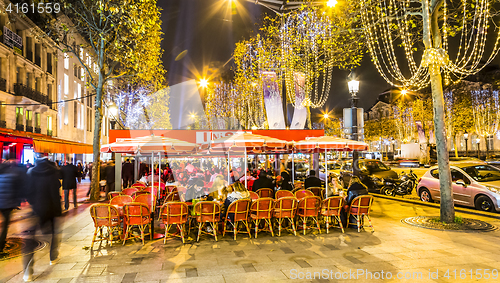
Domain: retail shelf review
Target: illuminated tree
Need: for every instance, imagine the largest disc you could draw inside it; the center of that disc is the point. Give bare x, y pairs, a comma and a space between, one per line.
309, 41
124, 38
422, 28
486, 109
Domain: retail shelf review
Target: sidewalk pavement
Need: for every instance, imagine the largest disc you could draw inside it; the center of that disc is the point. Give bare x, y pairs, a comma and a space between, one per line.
394, 247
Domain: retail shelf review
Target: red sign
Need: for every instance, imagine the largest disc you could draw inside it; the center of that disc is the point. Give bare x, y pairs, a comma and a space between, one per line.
203, 136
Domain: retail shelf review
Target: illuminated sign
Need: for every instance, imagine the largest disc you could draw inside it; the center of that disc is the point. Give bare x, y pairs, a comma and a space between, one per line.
13, 40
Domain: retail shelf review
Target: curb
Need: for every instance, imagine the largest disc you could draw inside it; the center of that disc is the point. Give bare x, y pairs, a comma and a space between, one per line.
436, 205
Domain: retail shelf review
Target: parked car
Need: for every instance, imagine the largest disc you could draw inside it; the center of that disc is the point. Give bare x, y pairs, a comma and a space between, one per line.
301, 168
494, 160
372, 173
474, 184
333, 168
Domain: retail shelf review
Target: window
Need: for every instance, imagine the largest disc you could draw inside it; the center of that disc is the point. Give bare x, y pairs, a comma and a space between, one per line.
66, 84
490, 140
29, 118
49, 62
49, 123
38, 121
435, 173
75, 114
66, 113
75, 71
82, 74
79, 90
19, 115
81, 53
2, 111
66, 61
82, 116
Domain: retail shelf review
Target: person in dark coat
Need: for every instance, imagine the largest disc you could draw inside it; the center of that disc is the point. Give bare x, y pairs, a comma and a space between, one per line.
356, 189
79, 174
127, 173
286, 183
110, 177
262, 182
42, 193
11, 188
312, 180
69, 173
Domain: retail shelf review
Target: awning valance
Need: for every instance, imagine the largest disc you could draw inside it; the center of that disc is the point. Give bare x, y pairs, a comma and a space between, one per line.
60, 146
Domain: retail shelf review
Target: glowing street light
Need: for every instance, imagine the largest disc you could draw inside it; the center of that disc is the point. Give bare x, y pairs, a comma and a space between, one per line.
331, 3
404, 92
326, 116
203, 83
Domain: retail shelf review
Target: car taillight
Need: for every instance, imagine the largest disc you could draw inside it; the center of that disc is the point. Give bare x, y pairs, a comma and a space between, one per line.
419, 179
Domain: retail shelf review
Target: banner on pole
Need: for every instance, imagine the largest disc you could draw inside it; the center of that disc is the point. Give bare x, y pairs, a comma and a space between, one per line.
421, 133
272, 100
300, 112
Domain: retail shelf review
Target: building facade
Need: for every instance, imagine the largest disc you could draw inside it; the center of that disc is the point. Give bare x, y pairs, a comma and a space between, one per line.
43, 92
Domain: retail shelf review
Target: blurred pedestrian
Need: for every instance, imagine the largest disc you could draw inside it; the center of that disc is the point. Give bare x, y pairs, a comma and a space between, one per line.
110, 177
69, 173
11, 189
127, 173
42, 193
80, 172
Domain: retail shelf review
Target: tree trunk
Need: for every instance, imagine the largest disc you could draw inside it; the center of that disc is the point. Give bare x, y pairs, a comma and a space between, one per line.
487, 146
432, 40
95, 192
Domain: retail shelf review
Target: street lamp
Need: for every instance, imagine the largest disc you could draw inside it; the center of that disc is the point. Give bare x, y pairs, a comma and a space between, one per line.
331, 3
204, 83
353, 89
478, 140
113, 115
466, 137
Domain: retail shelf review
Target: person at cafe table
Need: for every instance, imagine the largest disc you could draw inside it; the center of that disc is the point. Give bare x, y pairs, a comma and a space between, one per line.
196, 191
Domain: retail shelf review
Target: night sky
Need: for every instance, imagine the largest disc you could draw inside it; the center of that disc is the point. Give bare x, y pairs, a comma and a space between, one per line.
208, 31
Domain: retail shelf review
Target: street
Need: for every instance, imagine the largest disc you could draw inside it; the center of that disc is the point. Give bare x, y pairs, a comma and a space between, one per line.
394, 247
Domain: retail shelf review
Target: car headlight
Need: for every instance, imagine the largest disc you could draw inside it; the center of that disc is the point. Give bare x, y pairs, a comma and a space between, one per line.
495, 190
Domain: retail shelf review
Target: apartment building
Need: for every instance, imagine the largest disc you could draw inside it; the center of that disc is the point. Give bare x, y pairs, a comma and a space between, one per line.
43, 103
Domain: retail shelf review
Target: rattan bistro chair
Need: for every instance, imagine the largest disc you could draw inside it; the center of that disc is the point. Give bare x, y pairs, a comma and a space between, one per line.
308, 208
265, 193
105, 216
360, 208
284, 193
137, 214
207, 212
331, 208
300, 194
284, 209
262, 209
174, 213
239, 209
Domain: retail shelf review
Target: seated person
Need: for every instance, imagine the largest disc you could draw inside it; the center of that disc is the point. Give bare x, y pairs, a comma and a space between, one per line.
356, 189
286, 183
216, 192
195, 191
240, 192
312, 180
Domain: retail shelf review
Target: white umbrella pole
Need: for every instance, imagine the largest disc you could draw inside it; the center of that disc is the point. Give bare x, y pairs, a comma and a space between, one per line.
326, 175
246, 169
228, 174
293, 169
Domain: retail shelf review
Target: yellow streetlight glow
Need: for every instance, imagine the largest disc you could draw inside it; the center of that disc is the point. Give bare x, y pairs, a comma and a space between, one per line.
331, 3
404, 92
203, 83
254, 127
326, 116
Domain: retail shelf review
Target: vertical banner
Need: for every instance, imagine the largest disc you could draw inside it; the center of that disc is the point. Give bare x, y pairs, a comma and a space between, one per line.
432, 137
300, 112
421, 133
272, 99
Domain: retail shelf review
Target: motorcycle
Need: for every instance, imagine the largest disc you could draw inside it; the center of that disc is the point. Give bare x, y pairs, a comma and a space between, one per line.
403, 186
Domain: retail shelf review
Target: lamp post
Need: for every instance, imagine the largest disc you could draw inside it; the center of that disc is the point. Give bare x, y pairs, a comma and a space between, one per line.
353, 89
478, 140
466, 137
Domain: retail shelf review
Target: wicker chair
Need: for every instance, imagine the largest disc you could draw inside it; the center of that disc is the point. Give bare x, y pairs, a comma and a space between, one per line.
239, 209
360, 209
137, 214
174, 213
284, 210
284, 193
105, 216
262, 209
308, 208
207, 212
331, 208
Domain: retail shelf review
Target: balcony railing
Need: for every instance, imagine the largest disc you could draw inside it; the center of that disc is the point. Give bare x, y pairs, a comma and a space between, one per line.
22, 90
3, 84
49, 132
29, 129
20, 127
3, 124
38, 130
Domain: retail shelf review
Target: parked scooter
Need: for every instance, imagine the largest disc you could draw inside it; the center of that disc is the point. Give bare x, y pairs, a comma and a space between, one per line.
403, 186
